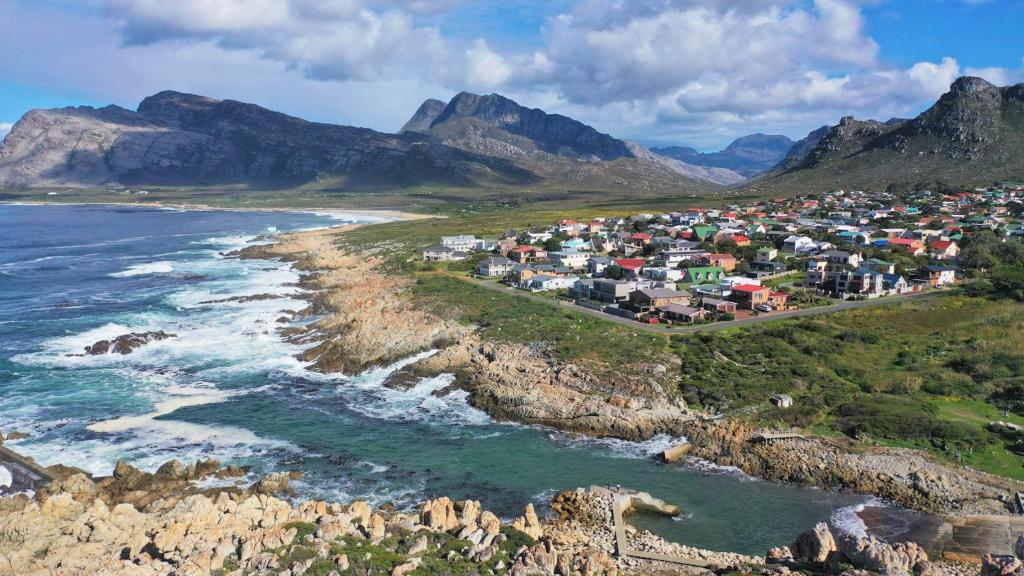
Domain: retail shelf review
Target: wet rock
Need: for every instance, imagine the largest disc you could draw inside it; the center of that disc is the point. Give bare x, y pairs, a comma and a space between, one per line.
126, 343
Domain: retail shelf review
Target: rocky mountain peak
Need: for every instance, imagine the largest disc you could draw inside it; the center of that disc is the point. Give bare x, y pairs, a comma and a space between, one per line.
175, 109
970, 85
969, 114
424, 116
552, 133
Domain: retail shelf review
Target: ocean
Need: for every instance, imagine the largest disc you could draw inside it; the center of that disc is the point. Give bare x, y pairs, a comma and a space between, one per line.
228, 387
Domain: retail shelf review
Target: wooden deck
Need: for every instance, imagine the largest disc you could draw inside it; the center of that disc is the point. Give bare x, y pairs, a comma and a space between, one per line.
769, 436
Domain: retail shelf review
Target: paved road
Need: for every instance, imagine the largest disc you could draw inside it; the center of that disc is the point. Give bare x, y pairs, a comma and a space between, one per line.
712, 327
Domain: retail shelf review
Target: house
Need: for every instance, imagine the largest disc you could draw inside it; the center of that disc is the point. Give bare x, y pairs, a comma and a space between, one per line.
716, 305
631, 266
673, 258
520, 274
462, 243
749, 296
443, 254
569, 259
908, 246
798, 244
943, 249
608, 290
741, 240
658, 297
596, 265
879, 265
680, 313
895, 283
583, 288
817, 273
704, 274
543, 282
494, 267
766, 255
778, 300
506, 245
842, 257
940, 275
782, 400
525, 254
726, 262
664, 273
862, 281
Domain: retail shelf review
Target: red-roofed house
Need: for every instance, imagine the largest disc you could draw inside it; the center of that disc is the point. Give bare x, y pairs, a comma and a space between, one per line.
741, 240
943, 249
908, 246
778, 300
749, 296
631, 265
525, 254
641, 237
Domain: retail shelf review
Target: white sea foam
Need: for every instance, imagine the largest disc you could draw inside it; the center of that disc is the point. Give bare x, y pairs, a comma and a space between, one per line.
179, 397
161, 267
848, 521
625, 448
6, 478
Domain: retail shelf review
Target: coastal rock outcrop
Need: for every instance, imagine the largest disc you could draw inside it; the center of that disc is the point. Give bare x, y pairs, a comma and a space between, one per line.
126, 343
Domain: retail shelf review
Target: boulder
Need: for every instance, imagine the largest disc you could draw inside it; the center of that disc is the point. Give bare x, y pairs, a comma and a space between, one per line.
992, 565
876, 555
529, 524
439, 515
816, 546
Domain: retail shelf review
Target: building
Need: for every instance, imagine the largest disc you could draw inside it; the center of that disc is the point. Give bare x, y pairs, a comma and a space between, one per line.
569, 259
544, 282
716, 305
943, 249
494, 267
506, 245
842, 257
778, 300
611, 291
817, 273
704, 274
632, 267
749, 296
658, 297
937, 276
526, 254
443, 254
726, 262
782, 400
799, 244
680, 313
766, 255
861, 282
464, 243
596, 265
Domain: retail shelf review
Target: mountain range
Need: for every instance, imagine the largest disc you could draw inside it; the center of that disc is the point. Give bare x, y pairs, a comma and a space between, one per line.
177, 139
972, 136
748, 156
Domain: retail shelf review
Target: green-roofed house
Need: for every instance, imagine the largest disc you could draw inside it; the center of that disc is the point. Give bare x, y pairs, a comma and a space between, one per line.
879, 266
702, 233
704, 274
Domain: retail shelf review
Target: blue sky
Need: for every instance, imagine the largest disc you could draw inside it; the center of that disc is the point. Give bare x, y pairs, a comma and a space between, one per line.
692, 72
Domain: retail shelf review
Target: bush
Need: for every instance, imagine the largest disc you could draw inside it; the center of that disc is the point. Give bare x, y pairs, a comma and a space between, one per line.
905, 419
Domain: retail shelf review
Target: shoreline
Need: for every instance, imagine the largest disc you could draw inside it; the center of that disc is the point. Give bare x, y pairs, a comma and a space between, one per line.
493, 374
387, 214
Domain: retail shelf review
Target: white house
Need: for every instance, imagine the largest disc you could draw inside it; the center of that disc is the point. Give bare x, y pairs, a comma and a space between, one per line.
664, 273
569, 258
798, 244
463, 243
544, 282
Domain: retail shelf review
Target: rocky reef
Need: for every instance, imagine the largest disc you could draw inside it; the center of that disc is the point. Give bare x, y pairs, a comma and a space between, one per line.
126, 343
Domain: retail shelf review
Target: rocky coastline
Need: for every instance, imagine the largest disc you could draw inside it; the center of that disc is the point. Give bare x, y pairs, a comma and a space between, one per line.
368, 318
141, 524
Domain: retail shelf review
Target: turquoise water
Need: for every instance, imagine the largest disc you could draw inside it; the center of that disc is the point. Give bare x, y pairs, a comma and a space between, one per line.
228, 387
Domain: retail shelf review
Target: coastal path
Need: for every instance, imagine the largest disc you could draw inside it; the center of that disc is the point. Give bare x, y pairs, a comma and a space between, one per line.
713, 327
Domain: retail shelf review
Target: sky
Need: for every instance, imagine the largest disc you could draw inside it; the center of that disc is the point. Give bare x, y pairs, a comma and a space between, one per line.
660, 72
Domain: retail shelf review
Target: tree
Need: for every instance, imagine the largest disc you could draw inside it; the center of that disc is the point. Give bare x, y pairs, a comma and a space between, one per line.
553, 244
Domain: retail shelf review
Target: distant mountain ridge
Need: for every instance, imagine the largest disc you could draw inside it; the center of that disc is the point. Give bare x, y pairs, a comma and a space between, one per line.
498, 126
748, 155
180, 139
973, 135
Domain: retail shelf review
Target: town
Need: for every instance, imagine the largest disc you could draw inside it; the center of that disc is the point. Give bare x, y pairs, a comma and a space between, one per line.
705, 265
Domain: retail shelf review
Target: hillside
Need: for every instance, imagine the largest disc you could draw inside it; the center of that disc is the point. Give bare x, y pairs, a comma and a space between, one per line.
183, 140
973, 136
748, 155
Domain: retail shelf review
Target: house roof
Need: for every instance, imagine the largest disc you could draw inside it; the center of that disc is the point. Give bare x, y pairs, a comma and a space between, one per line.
740, 238
941, 244
722, 256
664, 293
679, 309
631, 263
748, 288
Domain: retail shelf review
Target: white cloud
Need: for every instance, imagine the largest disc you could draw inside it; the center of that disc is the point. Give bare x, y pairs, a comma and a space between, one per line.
5, 127
486, 69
